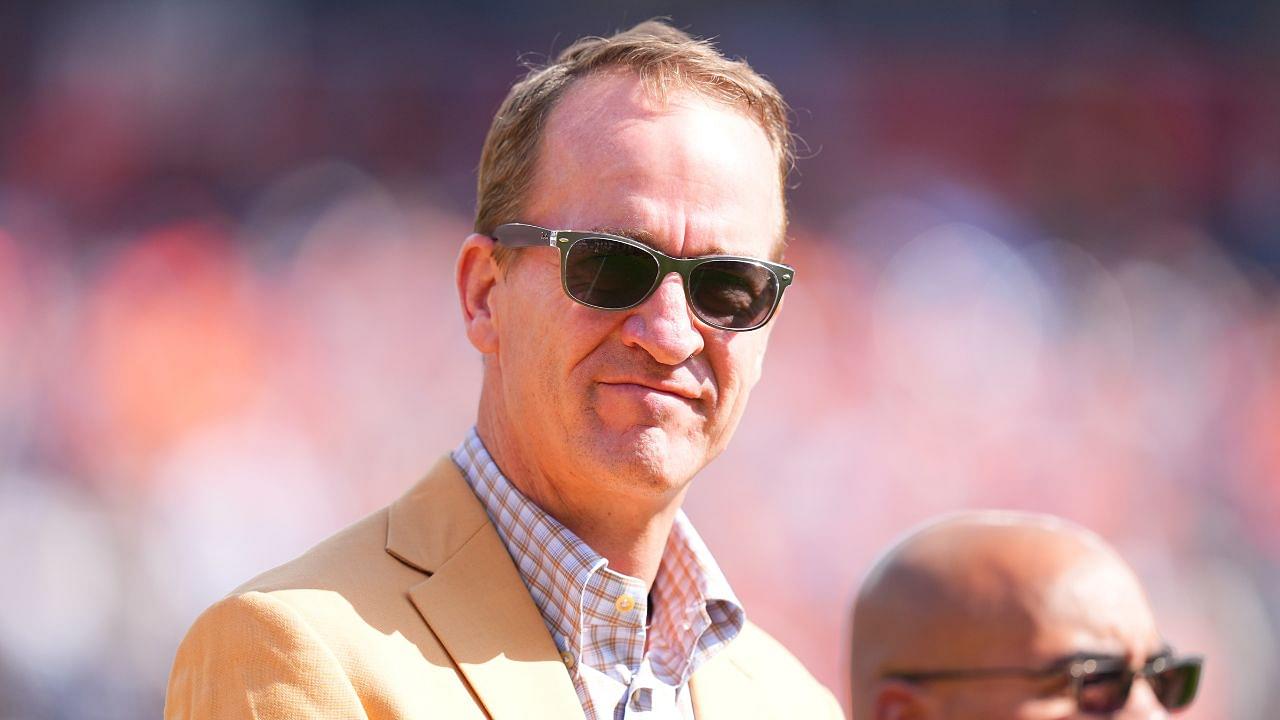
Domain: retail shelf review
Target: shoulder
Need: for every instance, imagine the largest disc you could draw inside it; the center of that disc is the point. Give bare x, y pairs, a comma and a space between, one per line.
218, 636
331, 562
771, 666
757, 652
318, 636
252, 655
346, 583
345, 577
348, 592
299, 606
339, 625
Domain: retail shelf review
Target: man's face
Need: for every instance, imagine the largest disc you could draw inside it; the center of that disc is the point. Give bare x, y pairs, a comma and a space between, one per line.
633, 401
1097, 608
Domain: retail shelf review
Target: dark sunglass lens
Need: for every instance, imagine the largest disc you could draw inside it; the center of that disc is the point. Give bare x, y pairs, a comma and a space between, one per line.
1176, 686
733, 293
608, 274
1104, 692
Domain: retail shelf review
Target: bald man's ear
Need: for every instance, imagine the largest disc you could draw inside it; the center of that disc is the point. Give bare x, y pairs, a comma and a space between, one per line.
476, 276
897, 700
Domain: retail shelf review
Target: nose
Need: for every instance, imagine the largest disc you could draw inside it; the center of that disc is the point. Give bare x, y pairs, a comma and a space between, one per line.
663, 325
1142, 704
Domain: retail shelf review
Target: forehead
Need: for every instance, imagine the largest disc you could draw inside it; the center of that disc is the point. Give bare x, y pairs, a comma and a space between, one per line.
688, 174
1098, 606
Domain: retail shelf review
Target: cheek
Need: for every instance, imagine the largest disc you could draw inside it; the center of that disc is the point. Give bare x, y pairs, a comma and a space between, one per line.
533, 315
1062, 708
745, 357
737, 365
1003, 701
527, 349
559, 355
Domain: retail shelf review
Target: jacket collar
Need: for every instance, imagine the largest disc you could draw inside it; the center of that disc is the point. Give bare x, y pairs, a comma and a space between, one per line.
475, 602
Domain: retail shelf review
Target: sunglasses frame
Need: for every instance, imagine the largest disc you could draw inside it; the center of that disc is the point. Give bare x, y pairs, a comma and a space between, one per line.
1076, 670
525, 235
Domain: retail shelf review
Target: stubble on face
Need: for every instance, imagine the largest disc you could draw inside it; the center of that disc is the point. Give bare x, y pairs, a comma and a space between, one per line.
638, 427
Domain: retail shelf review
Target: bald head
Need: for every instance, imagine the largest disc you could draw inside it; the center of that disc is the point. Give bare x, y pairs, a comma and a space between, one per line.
991, 589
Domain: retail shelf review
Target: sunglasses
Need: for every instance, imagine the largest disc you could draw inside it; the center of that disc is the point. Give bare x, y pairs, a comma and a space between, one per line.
610, 272
1101, 683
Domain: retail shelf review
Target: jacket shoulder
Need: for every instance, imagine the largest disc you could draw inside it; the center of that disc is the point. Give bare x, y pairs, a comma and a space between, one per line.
323, 635
354, 596
342, 559
281, 668
790, 686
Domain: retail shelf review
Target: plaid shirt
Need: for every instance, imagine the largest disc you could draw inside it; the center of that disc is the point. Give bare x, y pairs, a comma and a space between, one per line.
597, 616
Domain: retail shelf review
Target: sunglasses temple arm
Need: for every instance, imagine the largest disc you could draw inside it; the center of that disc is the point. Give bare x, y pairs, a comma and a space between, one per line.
522, 235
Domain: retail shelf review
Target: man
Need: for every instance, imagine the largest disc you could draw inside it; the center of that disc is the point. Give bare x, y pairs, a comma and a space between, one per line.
1009, 615
619, 286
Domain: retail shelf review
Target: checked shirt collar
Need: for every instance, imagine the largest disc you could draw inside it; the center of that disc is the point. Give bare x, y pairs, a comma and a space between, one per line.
596, 615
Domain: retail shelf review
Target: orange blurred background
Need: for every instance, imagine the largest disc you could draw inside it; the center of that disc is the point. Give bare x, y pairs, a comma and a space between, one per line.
1037, 248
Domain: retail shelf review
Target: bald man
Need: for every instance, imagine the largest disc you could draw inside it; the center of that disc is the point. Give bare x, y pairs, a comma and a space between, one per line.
998, 615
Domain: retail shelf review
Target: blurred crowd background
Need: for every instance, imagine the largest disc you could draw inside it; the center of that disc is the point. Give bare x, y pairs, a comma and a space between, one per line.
1038, 248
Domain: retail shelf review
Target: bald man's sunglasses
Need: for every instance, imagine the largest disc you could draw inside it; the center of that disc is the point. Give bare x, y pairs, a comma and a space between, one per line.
1101, 683
610, 272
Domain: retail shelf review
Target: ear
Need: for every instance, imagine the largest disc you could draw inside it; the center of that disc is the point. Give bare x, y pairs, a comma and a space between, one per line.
896, 700
476, 276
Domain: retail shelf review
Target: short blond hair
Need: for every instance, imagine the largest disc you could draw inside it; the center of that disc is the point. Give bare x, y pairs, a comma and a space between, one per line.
665, 59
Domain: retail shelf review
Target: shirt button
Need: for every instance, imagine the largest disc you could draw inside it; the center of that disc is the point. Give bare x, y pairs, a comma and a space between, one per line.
625, 603
642, 699
567, 657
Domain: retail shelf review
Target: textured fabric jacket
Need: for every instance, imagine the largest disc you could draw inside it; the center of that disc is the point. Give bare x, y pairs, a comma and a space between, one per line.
417, 611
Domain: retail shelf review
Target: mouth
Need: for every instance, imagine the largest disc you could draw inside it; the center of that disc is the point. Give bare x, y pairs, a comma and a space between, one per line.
689, 395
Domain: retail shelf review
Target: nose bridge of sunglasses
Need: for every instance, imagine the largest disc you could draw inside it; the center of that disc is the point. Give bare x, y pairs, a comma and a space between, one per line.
664, 266
1144, 690
671, 291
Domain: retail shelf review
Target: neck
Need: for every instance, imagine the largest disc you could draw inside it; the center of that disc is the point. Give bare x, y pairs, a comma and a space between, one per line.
633, 546
627, 526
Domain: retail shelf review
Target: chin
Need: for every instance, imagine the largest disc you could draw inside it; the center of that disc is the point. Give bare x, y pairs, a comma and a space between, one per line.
653, 459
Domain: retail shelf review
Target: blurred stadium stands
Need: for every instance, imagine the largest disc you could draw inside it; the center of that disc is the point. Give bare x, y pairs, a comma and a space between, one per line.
1038, 246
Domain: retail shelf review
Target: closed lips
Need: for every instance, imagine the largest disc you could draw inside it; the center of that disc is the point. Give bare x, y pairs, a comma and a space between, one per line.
676, 390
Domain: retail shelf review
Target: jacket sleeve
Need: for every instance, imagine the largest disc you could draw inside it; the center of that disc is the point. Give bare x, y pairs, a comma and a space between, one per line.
254, 656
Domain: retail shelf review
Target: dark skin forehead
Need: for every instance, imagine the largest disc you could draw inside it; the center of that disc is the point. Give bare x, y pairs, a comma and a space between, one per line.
998, 591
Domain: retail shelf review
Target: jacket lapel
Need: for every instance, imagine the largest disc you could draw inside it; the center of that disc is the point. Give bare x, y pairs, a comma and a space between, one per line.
475, 602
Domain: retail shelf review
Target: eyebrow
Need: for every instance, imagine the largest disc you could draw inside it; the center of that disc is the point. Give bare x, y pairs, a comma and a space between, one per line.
648, 238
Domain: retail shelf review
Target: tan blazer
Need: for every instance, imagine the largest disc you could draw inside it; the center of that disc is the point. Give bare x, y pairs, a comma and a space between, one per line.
417, 611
